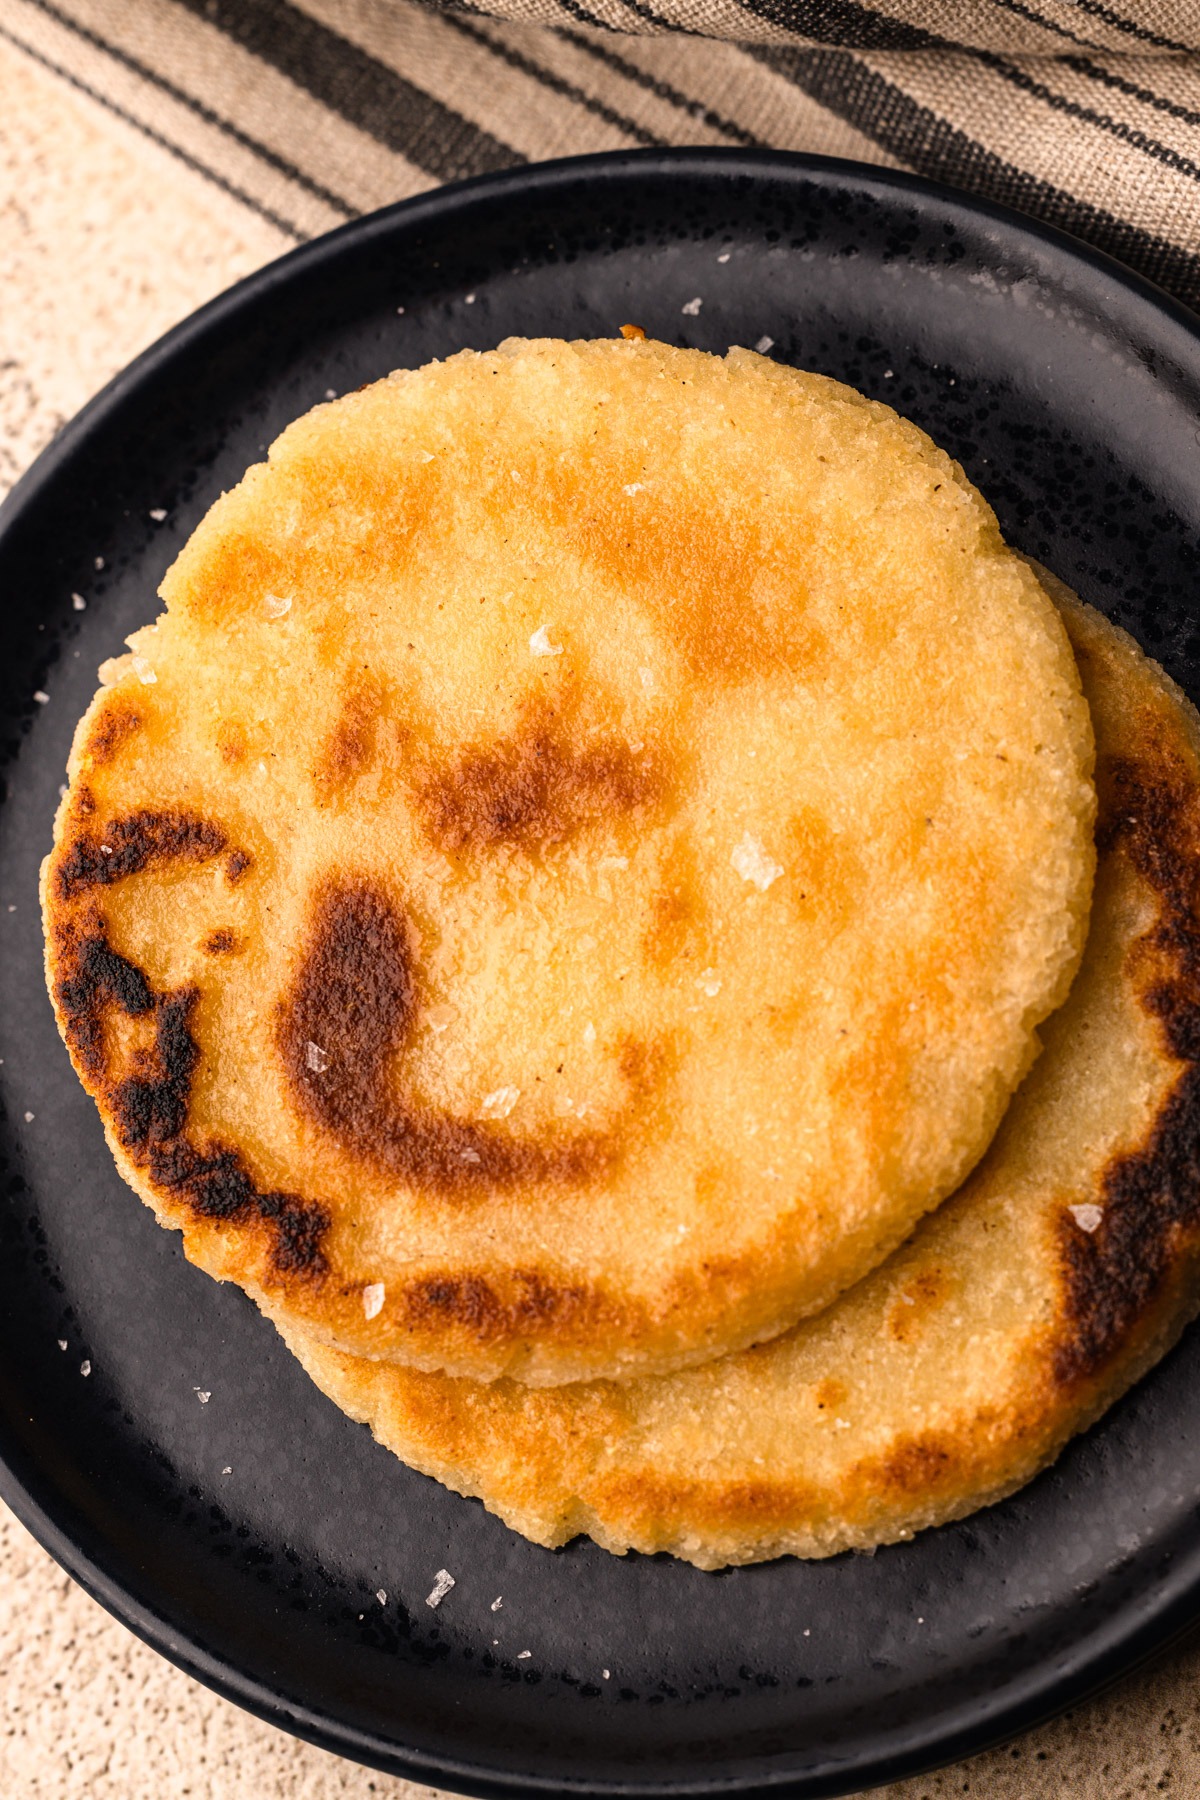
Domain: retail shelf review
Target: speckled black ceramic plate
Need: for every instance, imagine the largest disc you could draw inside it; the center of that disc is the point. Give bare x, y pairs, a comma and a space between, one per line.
153, 1432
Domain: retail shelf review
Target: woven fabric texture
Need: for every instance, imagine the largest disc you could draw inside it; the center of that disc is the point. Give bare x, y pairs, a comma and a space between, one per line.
1079, 113
1055, 28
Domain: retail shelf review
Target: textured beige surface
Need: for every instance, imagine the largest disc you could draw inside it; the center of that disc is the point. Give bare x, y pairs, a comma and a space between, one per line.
104, 241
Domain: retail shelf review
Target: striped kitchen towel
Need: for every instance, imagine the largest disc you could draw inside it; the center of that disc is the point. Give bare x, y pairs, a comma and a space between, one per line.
1079, 112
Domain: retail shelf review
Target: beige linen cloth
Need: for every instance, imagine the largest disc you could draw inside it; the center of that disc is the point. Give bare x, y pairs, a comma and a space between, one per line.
154, 151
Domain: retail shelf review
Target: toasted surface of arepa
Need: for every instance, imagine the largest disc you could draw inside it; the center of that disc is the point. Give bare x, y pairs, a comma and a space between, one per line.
577, 869
1033, 1298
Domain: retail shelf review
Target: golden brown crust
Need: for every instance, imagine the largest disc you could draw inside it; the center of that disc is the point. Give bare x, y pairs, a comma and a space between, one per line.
112, 726
1062, 1270
352, 743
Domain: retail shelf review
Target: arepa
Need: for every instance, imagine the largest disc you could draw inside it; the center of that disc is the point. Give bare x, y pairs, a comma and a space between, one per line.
577, 869
1034, 1297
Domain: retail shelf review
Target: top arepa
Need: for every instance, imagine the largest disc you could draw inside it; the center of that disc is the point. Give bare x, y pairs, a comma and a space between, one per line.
575, 872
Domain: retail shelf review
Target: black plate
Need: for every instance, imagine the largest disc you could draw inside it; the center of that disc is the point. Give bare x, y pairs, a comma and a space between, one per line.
1069, 390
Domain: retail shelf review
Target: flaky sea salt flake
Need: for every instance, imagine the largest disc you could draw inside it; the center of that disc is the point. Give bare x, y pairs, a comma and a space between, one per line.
62, 1343
540, 645
752, 863
709, 982
381, 1596
316, 1058
41, 696
692, 307
635, 487
277, 606
523, 1655
29, 1118
203, 1395
144, 671
764, 344
469, 1156
78, 603
85, 1367
158, 514
589, 1033
497, 1603
440, 1018
1087, 1217
373, 1298
500, 1102
443, 1581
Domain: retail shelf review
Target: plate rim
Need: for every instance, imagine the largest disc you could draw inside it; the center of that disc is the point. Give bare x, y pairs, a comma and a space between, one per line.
1116, 1646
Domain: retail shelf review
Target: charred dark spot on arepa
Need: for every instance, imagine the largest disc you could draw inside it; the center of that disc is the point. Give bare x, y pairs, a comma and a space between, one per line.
536, 786
92, 975
1149, 1198
350, 745
475, 1303
147, 1100
919, 1464
149, 1109
236, 864
148, 1106
114, 725
98, 858
222, 942
350, 1010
